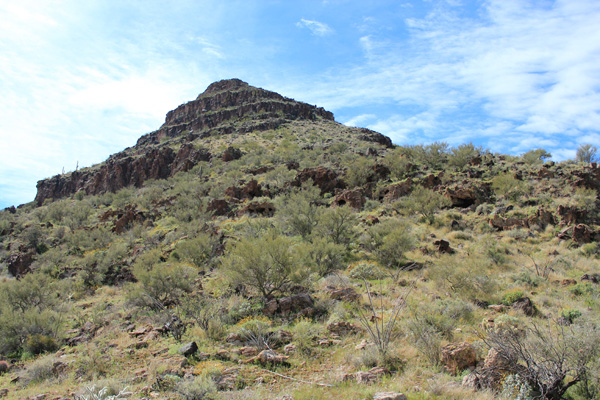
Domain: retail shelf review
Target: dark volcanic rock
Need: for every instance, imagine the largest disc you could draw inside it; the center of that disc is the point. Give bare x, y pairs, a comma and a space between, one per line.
326, 179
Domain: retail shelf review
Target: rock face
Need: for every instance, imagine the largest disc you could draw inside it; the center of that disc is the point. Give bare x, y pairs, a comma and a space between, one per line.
121, 170
459, 356
225, 107
327, 180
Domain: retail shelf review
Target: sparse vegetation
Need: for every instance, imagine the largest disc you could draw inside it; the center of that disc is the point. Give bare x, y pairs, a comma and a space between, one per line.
314, 253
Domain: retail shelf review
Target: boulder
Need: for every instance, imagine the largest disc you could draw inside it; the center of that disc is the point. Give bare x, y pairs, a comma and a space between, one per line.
459, 356
287, 305
443, 247
526, 306
325, 179
218, 207
367, 377
583, 234
188, 349
389, 396
343, 328
593, 278
397, 190
269, 357
231, 153
3, 367
491, 374
264, 208
353, 198
343, 294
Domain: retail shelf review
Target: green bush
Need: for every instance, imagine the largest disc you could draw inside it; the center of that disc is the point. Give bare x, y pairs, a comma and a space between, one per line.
507, 186
511, 297
199, 250
389, 241
298, 213
323, 256
38, 344
366, 270
423, 201
359, 171
536, 156
268, 264
337, 224
462, 155
165, 282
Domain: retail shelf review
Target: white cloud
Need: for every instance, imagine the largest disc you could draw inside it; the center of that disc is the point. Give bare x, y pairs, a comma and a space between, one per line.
317, 28
359, 120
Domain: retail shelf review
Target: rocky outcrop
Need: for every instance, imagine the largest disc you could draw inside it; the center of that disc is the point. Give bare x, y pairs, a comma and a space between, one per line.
459, 356
353, 198
466, 195
121, 170
300, 303
326, 179
231, 100
19, 262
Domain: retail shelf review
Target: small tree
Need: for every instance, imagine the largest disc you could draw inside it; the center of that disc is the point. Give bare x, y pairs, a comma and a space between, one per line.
586, 153
425, 202
536, 156
268, 264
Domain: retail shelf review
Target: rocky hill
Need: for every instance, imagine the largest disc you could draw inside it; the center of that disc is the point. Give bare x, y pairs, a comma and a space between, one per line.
252, 247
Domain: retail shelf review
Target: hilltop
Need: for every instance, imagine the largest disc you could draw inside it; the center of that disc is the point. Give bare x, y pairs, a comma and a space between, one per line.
253, 247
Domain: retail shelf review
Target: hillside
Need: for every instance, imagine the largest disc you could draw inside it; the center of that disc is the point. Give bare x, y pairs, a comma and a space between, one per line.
252, 247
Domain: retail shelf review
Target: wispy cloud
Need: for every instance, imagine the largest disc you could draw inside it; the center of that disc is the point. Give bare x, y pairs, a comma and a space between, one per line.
317, 28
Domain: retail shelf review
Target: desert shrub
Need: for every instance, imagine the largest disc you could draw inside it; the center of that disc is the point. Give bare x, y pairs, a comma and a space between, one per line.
33, 236
388, 241
165, 282
38, 344
323, 256
527, 278
103, 393
359, 171
493, 250
201, 309
586, 153
306, 333
508, 187
198, 388
268, 264
462, 155
570, 314
41, 370
82, 240
423, 201
398, 163
585, 199
199, 251
512, 296
427, 340
433, 155
298, 212
366, 270
78, 214
468, 277
536, 156
255, 331
337, 224
549, 358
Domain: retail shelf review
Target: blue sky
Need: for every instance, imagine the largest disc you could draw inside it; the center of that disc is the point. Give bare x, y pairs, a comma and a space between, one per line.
80, 80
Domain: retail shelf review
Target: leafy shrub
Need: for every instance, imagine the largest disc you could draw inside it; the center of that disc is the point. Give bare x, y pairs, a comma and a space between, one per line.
198, 251
462, 155
323, 256
37, 344
305, 333
366, 270
165, 282
41, 370
337, 224
388, 241
570, 314
298, 212
358, 171
268, 264
423, 201
536, 156
255, 331
507, 186
512, 296
198, 388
